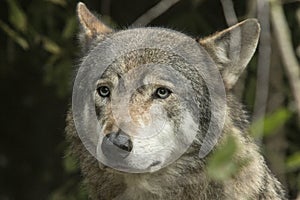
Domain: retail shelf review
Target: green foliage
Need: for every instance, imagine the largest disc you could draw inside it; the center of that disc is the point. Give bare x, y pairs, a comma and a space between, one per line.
15, 36
70, 164
293, 166
70, 27
293, 161
222, 164
17, 16
59, 46
51, 46
271, 122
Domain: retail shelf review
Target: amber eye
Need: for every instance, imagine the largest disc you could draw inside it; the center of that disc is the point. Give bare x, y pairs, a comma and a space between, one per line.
103, 91
162, 93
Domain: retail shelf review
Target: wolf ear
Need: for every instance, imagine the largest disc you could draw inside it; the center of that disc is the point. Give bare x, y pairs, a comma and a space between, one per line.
233, 48
91, 26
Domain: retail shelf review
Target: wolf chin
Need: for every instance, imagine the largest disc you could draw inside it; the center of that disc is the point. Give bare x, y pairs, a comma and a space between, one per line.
184, 110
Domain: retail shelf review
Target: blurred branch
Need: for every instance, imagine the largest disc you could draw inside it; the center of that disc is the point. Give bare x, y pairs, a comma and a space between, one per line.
17, 16
15, 36
289, 59
154, 12
229, 12
263, 67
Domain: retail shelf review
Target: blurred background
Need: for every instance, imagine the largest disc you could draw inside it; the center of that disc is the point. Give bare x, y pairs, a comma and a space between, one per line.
39, 51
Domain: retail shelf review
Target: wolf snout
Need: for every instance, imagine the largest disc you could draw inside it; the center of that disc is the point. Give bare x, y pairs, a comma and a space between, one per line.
116, 145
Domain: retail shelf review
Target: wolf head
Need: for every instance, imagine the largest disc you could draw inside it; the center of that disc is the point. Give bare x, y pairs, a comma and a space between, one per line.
147, 94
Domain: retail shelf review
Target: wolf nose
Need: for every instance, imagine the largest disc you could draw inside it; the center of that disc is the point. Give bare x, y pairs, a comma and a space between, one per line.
116, 145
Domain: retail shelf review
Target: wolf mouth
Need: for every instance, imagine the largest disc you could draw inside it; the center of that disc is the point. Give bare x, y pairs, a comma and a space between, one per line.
154, 166
155, 163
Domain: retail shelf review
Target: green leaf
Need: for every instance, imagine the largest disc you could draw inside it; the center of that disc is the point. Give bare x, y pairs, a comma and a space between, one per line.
221, 165
70, 28
276, 120
14, 35
271, 122
293, 161
17, 16
51, 46
70, 164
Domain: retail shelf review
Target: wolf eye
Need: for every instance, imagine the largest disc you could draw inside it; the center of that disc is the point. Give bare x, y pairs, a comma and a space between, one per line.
162, 93
103, 91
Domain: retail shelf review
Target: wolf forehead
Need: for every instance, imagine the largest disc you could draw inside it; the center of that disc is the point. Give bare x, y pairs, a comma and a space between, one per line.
147, 47
148, 66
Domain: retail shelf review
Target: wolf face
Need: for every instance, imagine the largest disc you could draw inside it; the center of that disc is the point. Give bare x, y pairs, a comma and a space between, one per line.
156, 91
146, 106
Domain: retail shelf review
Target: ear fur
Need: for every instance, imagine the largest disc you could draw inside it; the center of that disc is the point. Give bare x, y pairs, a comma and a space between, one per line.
91, 26
233, 48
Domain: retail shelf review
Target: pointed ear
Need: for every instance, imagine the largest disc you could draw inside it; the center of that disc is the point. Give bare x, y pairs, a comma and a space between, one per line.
233, 48
91, 26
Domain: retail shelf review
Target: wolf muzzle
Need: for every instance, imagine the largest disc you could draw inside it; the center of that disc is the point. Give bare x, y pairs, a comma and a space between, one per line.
116, 145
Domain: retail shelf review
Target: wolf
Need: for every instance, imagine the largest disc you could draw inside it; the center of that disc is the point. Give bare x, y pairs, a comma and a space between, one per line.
170, 92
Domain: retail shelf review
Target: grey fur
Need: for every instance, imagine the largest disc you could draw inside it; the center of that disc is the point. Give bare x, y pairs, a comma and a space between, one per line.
186, 178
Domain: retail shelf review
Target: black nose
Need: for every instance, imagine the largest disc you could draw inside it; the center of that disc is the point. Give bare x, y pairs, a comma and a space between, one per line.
116, 145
